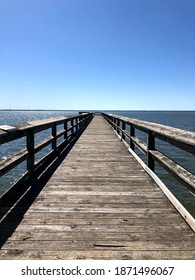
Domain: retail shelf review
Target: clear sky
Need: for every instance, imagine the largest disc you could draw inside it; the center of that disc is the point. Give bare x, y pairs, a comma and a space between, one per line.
97, 54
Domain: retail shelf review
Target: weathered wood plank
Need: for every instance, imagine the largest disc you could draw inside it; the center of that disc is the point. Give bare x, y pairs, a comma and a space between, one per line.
134, 215
97, 236
100, 245
108, 185
100, 190
97, 199
105, 221
96, 255
104, 228
86, 209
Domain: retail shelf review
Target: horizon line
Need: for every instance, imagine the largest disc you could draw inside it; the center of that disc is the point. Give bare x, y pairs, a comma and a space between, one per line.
97, 110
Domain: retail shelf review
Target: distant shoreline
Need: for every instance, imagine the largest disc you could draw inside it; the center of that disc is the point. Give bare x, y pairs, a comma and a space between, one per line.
55, 110
34, 110
38, 110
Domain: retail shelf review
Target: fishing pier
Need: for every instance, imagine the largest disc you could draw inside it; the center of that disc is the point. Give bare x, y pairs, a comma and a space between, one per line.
91, 196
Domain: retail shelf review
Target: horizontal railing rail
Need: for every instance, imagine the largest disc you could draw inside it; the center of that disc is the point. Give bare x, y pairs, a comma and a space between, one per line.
182, 139
70, 127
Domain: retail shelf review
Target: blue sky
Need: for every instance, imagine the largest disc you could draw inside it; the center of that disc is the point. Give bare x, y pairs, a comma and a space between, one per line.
97, 54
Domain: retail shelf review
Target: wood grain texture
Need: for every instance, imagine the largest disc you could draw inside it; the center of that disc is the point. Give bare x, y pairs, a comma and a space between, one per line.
100, 204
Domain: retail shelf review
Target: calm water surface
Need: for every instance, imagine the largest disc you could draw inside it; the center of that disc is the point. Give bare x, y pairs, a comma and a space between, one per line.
180, 119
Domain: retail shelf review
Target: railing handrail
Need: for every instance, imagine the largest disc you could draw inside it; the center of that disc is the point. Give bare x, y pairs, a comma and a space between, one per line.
21, 129
180, 138
172, 134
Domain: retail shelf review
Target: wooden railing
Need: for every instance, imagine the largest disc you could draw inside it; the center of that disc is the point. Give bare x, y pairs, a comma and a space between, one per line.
70, 128
182, 139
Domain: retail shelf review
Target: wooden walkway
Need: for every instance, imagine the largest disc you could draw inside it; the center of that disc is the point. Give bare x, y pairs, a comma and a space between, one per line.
100, 204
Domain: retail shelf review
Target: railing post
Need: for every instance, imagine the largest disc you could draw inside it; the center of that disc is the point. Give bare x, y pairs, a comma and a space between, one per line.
82, 121
72, 129
118, 124
151, 146
54, 134
113, 120
77, 120
30, 139
132, 133
79, 125
123, 128
65, 130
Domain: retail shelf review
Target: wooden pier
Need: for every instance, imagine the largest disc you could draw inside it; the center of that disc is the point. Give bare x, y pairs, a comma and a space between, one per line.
99, 203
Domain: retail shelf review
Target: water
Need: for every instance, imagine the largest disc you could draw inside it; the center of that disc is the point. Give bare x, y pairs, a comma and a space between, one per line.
13, 117
180, 119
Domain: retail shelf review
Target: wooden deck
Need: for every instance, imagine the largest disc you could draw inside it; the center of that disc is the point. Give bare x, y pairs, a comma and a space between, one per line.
100, 204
